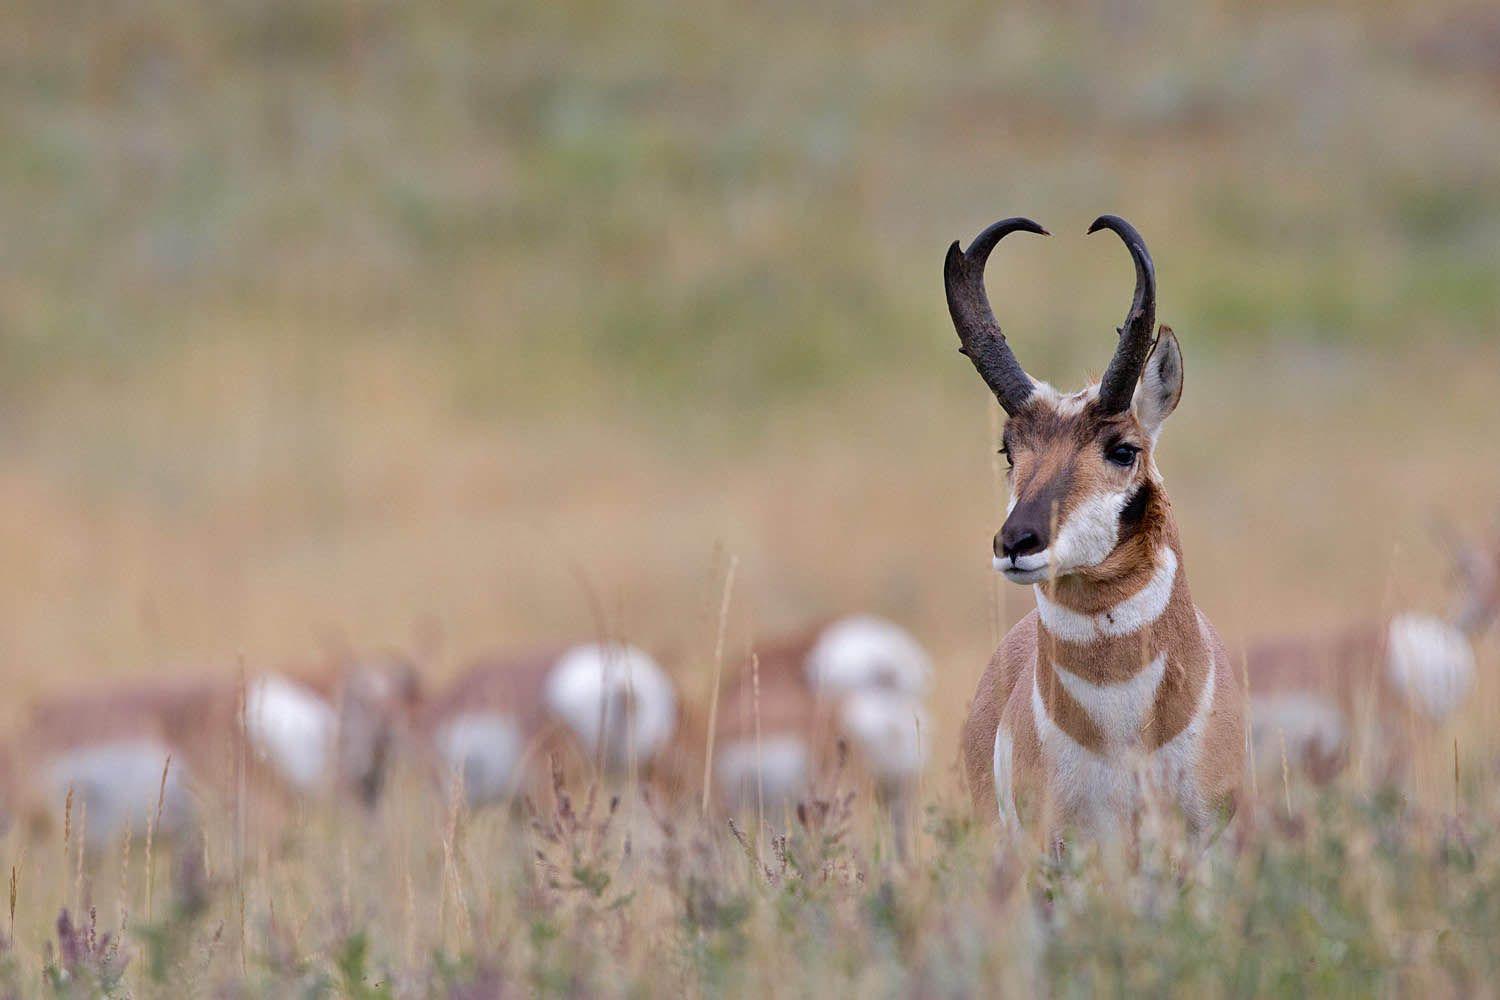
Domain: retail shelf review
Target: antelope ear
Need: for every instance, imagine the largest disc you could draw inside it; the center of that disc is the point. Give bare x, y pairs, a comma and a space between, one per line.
1160, 387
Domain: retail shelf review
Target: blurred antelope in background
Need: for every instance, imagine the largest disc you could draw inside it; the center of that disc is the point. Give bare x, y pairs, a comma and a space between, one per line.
1403, 675
859, 680
606, 707
1116, 676
332, 731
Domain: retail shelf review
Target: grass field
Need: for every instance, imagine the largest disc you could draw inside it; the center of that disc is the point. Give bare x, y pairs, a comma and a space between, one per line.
372, 323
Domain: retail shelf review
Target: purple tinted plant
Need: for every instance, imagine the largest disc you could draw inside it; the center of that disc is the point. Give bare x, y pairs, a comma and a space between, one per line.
85, 963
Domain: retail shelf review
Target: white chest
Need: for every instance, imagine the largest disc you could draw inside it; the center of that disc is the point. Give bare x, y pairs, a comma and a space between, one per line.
1098, 791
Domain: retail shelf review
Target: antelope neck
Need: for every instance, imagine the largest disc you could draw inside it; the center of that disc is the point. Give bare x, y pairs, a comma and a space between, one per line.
1129, 672
1088, 614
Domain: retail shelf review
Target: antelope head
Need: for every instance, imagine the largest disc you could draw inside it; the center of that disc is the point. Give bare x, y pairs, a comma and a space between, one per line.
1086, 500
376, 702
1476, 573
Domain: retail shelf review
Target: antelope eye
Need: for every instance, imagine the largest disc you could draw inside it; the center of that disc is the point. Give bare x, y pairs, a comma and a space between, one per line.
1122, 455
1005, 450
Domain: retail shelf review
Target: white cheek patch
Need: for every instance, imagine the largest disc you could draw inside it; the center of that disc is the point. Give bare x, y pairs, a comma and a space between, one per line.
776, 768
1431, 663
615, 700
115, 785
291, 728
890, 730
1130, 615
865, 652
483, 750
1090, 532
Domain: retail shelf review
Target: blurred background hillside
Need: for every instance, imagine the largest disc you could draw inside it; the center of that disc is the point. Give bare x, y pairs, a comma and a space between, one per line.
471, 324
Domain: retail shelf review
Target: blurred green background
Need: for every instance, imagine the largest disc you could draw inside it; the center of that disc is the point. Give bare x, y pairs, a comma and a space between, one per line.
732, 204
387, 319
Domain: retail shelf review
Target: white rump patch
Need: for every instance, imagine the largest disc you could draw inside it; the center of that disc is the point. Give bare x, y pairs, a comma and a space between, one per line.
863, 652
1431, 663
484, 750
615, 699
292, 728
890, 729
117, 785
1129, 616
781, 761
1309, 726
1119, 710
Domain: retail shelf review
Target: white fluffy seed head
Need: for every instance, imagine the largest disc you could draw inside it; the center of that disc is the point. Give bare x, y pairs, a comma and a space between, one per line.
864, 652
616, 700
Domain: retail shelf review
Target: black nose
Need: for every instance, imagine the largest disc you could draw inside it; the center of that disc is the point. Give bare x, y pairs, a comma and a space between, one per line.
1016, 540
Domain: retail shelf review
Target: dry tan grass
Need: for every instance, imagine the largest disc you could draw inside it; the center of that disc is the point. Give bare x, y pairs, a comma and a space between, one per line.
384, 325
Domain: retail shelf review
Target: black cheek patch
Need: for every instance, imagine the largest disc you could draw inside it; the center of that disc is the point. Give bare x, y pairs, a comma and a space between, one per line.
1135, 508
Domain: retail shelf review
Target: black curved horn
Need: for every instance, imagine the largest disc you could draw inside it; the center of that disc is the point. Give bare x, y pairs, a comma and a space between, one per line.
983, 343
1117, 387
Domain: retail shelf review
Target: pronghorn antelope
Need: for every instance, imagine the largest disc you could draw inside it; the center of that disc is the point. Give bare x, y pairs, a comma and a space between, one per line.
606, 706
290, 738
1404, 675
1116, 679
858, 679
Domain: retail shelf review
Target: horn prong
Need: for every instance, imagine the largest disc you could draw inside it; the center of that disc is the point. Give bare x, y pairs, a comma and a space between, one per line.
1137, 333
969, 306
